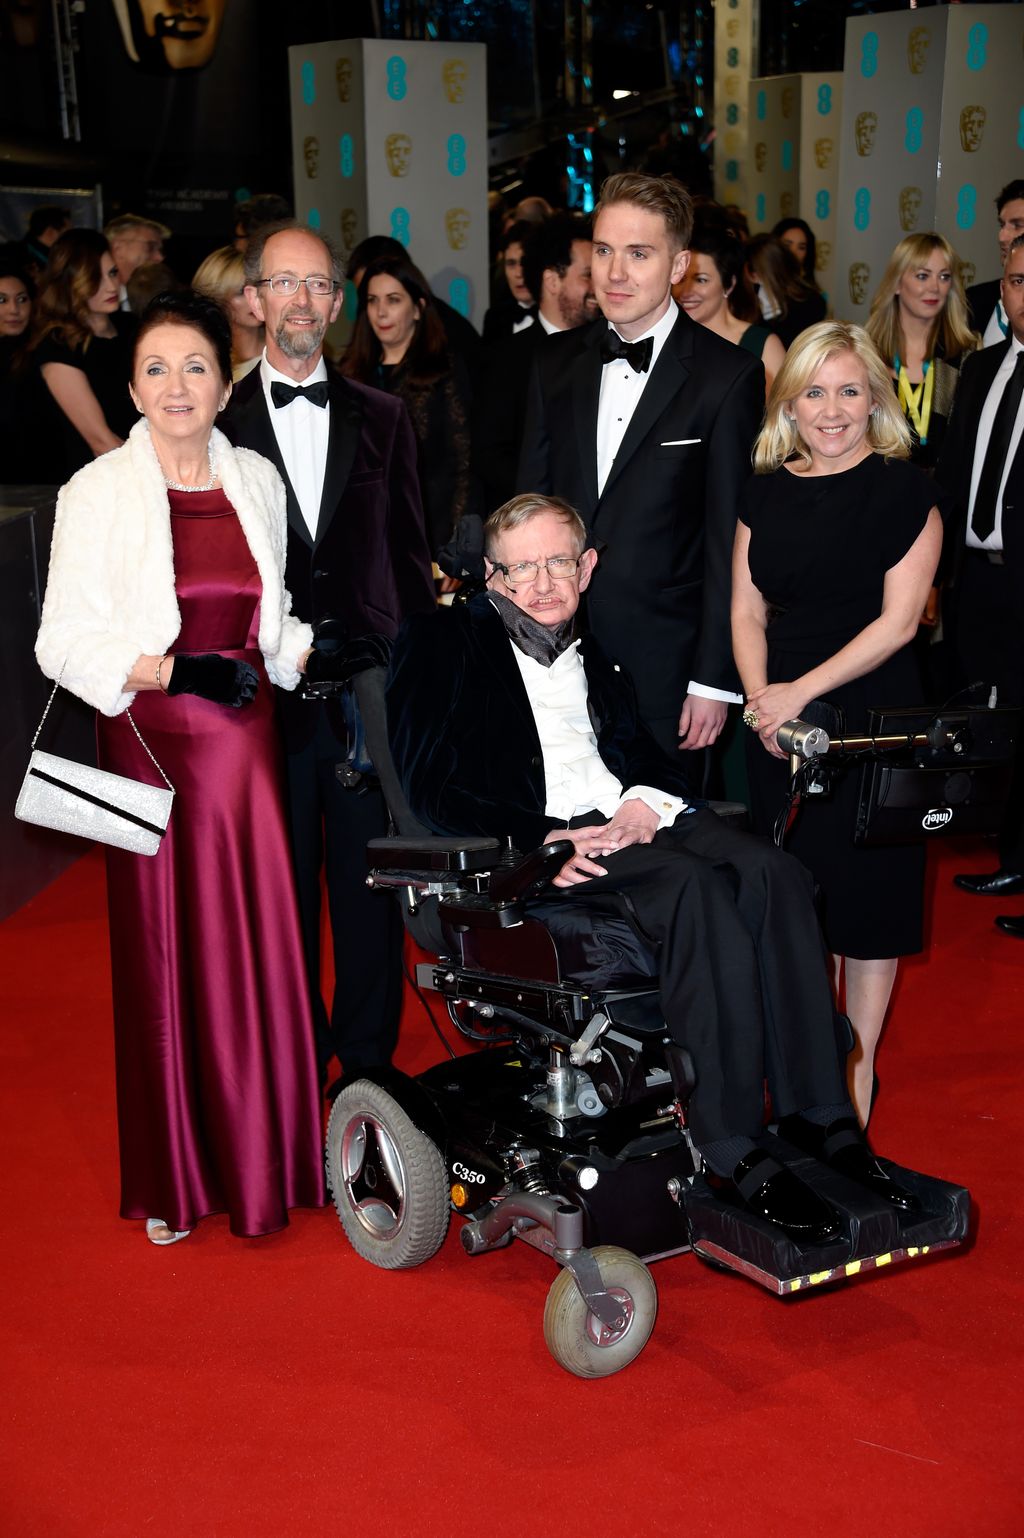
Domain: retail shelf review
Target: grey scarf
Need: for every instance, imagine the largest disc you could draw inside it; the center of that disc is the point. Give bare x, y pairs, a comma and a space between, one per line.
541, 642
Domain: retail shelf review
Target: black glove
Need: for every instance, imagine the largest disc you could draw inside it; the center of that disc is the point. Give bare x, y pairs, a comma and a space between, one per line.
213, 677
337, 663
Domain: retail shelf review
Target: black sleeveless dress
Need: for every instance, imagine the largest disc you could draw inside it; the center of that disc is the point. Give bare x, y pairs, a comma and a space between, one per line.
820, 547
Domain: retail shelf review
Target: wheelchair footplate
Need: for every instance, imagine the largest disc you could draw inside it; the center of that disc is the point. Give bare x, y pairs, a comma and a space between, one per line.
873, 1235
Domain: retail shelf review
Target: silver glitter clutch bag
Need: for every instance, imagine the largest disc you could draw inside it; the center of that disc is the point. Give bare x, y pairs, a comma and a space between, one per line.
91, 803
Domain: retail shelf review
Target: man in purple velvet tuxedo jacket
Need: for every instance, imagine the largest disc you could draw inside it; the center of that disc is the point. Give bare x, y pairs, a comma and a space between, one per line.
357, 556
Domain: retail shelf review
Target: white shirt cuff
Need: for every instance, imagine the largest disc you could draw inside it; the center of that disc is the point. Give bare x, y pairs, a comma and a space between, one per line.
706, 692
667, 807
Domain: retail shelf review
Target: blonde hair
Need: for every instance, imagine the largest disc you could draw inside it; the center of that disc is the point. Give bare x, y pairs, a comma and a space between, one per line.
950, 329
220, 275
888, 433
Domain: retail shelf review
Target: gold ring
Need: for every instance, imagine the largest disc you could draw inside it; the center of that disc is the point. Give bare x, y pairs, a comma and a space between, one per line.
750, 718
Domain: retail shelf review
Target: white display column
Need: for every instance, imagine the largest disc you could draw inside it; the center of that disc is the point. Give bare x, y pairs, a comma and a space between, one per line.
736, 23
932, 127
793, 165
390, 138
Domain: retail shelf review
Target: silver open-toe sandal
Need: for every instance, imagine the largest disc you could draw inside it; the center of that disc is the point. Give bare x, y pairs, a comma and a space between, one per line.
157, 1232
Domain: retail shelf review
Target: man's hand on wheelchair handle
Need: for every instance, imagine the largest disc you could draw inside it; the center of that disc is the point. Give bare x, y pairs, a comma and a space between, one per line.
633, 823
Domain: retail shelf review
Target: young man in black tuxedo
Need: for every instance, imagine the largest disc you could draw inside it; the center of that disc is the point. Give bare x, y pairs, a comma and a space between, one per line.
502, 724
645, 421
982, 465
357, 565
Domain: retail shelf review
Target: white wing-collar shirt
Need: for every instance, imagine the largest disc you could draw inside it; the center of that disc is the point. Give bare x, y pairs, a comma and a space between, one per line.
303, 433
576, 777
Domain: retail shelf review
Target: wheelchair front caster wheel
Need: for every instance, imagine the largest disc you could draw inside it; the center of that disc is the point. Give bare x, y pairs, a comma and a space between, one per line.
578, 1340
387, 1179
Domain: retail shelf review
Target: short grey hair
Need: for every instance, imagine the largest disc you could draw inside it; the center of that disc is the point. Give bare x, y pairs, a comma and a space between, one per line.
259, 238
528, 505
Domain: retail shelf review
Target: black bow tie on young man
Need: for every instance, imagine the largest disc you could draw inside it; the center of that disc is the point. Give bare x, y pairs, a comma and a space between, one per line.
637, 354
283, 394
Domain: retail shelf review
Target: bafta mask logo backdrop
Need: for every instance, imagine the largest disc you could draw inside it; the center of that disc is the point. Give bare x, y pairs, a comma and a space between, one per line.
968, 273
456, 228
972, 128
343, 78
822, 255
760, 155
918, 40
823, 151
453, 76
398, 153
349, 221
860, 278
865, 127
788, 100
787, 204
167, 35
910, 207
311, 155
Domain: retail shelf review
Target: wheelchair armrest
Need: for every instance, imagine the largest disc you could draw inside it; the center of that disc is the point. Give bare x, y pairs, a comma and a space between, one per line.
533, 871
441, 854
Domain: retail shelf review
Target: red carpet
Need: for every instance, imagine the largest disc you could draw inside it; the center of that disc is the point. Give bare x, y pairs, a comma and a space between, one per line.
236, 1389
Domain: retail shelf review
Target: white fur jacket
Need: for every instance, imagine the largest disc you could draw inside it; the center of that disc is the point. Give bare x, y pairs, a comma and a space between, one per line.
110, 593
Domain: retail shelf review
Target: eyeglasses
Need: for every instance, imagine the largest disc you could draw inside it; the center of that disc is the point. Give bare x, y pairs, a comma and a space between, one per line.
286, 283
522, 573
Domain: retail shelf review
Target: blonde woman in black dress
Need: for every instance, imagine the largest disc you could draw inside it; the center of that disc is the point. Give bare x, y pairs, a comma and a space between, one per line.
836, 548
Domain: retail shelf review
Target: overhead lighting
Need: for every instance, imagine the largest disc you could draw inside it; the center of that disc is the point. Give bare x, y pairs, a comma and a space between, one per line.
619, 95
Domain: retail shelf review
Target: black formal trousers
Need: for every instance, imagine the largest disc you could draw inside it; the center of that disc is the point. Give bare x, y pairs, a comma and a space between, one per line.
330, 827
742, 968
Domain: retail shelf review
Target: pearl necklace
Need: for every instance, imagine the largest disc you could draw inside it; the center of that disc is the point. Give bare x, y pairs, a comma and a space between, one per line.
211, 483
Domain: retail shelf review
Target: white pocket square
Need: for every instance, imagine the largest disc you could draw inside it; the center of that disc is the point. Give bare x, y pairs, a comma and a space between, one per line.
678, 443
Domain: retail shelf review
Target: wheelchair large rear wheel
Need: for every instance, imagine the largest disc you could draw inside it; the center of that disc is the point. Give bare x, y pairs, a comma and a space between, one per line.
388, 1179
578, 1340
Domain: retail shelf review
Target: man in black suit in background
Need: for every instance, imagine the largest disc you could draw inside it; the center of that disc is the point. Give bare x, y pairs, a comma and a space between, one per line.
984, 305
982, 465
645, 422
556, 270
357, 565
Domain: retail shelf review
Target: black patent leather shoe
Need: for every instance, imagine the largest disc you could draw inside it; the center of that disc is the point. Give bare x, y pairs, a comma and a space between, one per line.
844, 1148
762, 1186
1011, 924
997, 883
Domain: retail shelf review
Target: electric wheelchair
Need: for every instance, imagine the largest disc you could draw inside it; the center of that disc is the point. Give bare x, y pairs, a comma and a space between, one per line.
567, 1128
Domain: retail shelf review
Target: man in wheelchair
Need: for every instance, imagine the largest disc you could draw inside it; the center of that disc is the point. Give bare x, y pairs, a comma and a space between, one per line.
504, 723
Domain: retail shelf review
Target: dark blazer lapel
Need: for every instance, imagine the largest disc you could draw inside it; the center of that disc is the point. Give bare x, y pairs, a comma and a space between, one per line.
585, 386
343, 444
668, 376
492, 638
248, 410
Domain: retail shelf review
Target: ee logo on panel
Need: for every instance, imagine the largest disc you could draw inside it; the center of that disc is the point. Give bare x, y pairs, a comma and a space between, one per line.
456, 155
397, 86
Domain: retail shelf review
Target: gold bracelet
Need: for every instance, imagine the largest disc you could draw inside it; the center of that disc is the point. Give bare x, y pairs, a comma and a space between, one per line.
159, 681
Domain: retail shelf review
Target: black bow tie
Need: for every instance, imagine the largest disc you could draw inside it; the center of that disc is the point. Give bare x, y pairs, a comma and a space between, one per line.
283, 394
637, 354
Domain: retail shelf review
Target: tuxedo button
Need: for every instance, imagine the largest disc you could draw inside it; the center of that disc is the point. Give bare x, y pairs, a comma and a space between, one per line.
536, 761
320, 572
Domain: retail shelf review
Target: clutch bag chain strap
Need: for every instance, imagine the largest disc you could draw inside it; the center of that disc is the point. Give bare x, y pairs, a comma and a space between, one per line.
135, 729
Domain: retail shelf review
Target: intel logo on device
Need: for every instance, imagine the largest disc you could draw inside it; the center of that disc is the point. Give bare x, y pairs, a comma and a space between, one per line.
938, 817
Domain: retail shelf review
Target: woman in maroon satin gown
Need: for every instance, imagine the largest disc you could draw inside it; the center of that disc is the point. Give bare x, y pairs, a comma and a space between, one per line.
218, 1099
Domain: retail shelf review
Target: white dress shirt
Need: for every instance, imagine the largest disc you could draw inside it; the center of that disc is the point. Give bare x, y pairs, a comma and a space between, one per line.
988, 412
576, 777
621, 389
546, 325
303, 432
